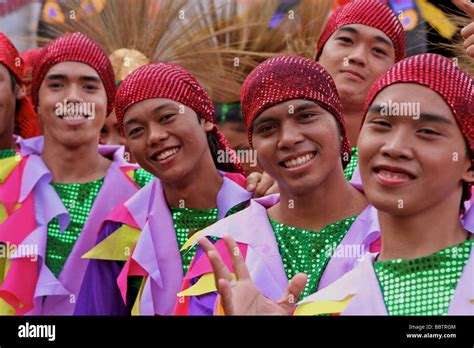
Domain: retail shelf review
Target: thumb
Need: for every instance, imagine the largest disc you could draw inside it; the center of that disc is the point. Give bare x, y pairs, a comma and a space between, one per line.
252, 181
293, 291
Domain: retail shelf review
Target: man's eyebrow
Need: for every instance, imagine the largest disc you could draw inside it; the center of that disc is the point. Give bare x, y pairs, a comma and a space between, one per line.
64, 77
55, 77
427, 117
383, 40
90, 78
161, 107
305, 106
130, 120
262, 119
348, 29
376, 37
155, 110
375, 108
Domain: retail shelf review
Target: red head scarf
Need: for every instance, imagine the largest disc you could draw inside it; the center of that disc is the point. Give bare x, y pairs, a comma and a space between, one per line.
371, 13
160, 80
283, 78
75, 47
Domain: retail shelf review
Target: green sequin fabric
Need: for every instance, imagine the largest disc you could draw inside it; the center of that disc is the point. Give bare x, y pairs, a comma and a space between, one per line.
309, 251
186, 223
78, 200
141, 177
351, 167
7, 153
422, 286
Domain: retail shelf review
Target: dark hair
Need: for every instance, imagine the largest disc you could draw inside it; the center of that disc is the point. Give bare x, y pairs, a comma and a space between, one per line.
14, 83
214, 148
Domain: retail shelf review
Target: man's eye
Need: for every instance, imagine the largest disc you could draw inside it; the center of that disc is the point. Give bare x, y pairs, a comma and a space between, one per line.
428, 131
167, 117
381, 123
265, 129
135, 131
307, 116
55, 85
380, 51
345, 39
90, 87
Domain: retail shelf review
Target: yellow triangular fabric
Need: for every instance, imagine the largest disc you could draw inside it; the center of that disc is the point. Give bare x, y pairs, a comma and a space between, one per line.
323, 307
118, 246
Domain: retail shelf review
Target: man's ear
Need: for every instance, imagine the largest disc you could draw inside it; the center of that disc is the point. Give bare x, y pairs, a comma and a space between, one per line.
208, 126
20, 91
469, 175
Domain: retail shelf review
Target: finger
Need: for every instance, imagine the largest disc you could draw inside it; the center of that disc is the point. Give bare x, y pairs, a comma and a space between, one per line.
293, 291
469, 42
467, 31
253, 180
225, 291
240, 268
218, 266
273, 189
470, 51
466, 6
264, 185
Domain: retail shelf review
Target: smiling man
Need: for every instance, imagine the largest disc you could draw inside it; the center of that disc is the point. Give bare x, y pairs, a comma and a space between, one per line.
66, 185
168, 121
294, 121
360, 42
426, 264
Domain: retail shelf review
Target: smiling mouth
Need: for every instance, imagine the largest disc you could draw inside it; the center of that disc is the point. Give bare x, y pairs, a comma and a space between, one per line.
393, 177
352, 73
74, 117
298, 161
167, 154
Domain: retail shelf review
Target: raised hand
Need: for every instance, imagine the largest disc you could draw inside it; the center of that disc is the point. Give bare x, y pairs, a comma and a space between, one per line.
241, 296
468, 31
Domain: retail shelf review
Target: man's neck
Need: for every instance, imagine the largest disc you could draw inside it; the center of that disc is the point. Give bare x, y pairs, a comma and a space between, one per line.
421, 234
333, 200
74, 164
198, 190
6, 141
353, 118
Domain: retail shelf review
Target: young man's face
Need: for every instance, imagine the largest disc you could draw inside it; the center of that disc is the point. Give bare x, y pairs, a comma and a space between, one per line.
8, 99
72, 104
236, 135
297, 143
355, 56
110, 134
414, 159
166, 138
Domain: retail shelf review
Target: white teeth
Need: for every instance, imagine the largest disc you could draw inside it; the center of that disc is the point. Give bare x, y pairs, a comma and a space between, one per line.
395, 176
293, 163
167, 153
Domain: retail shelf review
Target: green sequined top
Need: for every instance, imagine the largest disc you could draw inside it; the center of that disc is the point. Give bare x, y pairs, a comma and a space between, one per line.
7, 153
78, 200
186, 223
350, 169
422, 286
141, 177
309, 251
